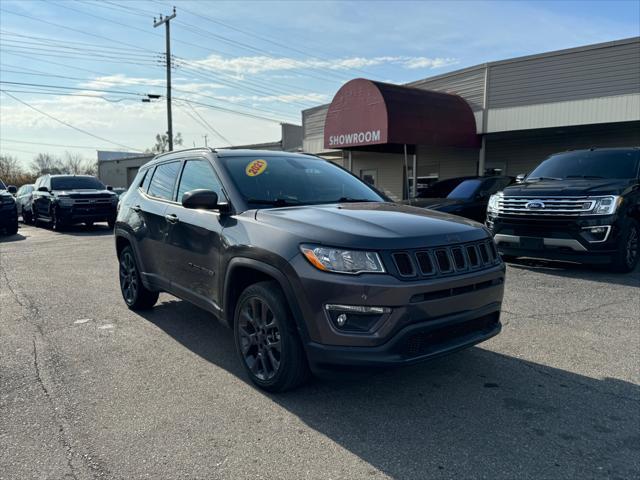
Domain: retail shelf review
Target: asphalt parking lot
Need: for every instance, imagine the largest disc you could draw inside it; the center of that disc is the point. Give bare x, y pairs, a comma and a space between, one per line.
89, 389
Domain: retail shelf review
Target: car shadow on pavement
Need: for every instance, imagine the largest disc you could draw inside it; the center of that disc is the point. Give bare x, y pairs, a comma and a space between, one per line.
11, 238
475, 414
578, 271
99, 229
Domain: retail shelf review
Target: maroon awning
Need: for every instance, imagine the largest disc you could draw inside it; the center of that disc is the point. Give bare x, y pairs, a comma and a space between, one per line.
367, 113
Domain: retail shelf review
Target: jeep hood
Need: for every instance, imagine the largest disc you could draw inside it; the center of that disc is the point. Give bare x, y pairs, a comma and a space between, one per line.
372, 225
571, 187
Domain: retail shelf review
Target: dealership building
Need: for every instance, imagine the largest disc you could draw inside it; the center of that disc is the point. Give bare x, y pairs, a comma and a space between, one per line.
499, 117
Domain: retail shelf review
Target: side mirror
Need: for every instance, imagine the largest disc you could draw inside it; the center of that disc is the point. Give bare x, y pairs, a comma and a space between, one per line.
520, 178
201, 199
43, 189
110, 188
12, 189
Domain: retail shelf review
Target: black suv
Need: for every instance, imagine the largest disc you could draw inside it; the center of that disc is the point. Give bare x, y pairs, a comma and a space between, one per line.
581, 206
63, 200
8, 211
467, 196
308, 264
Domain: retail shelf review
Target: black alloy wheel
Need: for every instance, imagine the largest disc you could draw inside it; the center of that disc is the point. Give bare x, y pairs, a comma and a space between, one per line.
628, 254
134, 293
632, 247
259, 332
267, 340
56, 222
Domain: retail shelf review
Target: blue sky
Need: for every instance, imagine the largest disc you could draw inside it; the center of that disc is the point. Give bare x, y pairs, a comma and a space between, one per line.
266, 60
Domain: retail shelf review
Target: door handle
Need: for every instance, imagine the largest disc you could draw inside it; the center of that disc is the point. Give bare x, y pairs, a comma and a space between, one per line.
171, 218
136, 208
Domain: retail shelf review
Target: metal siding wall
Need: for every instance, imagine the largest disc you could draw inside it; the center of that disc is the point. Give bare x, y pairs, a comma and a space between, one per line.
469, 84
389, 167
598, 72
447, 162
522, 151
313, 129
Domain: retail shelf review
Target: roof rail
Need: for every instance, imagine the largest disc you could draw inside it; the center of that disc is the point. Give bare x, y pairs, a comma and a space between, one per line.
209, 149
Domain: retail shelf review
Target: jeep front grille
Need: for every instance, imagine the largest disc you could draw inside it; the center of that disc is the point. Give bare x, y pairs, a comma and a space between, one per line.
560, 206
448, 260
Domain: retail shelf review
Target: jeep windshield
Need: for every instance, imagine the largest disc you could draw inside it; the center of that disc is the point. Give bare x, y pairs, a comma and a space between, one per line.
280, 181
596, 164
76, 183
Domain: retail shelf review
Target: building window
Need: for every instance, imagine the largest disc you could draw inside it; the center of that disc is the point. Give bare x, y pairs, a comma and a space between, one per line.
370, 176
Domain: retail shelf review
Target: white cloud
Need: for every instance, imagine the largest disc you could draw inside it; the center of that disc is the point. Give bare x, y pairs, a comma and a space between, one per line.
259, 64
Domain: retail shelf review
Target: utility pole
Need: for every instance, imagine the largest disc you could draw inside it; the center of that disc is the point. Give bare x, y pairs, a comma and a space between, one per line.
166, 21
205, 141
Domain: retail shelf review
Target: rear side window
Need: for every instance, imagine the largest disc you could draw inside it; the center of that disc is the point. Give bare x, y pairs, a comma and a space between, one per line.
144, 184
198, 174
163, 181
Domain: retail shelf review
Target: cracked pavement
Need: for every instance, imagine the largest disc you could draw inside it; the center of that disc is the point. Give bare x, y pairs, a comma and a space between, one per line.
89, 389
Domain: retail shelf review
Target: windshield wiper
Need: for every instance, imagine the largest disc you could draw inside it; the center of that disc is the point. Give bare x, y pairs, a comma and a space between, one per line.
278, 202
584, 176
543, 178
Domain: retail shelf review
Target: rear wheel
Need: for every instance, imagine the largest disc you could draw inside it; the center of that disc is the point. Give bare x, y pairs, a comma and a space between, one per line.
266, 339
134, 293
628, 252
12, 230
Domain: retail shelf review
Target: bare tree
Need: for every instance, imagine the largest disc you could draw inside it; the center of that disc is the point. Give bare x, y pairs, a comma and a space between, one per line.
9, 167
45, 163
73, 163
162, 142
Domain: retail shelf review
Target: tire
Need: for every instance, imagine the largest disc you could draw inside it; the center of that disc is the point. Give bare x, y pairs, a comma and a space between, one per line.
134, 293
56, 223
27, 217
12, 230
266, 339
508, 258
628, 252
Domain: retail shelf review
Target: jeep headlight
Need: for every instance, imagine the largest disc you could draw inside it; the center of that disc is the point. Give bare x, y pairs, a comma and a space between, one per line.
337, 260
492, 206
65, 201
607, 205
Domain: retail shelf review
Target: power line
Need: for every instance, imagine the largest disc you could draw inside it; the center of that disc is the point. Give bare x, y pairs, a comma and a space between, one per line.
68, 124
222, 137
123, 92
87, 147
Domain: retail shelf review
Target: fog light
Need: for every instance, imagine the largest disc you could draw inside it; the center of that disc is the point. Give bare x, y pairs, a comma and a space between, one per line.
598, 230
597, 233
355, 318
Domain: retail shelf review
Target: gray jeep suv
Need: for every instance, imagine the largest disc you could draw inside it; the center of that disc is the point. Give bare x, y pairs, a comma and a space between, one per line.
312, 268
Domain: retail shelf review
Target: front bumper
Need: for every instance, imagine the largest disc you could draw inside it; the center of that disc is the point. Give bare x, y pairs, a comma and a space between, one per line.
442, 315
568, 239
87, 214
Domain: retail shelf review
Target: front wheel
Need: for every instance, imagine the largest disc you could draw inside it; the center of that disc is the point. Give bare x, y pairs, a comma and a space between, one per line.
134, 293
266, 339
628, 252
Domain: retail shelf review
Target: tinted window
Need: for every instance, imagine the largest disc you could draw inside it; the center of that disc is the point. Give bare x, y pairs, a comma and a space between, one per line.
466, 189
440, 189
198, 174
589, 164
294, 180
76, 183
163, 181
2, 185
146, 180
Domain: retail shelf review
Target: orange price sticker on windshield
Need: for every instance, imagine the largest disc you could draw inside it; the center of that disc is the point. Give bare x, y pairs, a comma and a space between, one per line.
256, 167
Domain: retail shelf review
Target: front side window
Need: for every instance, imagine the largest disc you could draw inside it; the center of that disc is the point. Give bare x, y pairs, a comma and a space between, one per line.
2, 185
76, 183
198, 174
295, 180
163, 181
607, 164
